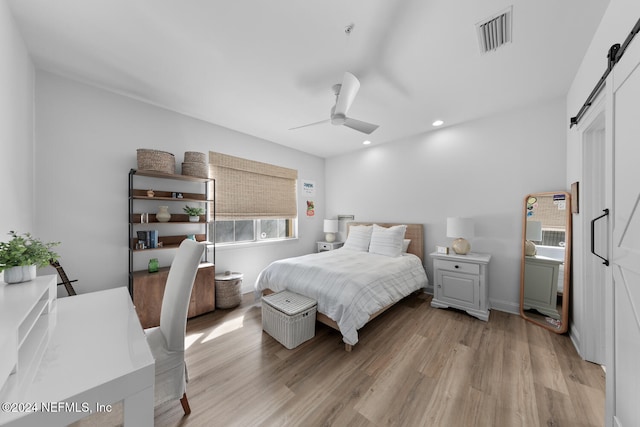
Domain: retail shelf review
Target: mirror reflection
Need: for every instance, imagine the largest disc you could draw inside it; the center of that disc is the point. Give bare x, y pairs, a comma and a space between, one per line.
546, 253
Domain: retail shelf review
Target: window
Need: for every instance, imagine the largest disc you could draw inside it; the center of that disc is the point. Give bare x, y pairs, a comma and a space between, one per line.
253, 230
254, 201
553, 238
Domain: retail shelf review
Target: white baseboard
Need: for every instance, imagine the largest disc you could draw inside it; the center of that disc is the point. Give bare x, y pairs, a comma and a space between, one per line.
506, 306
574, 335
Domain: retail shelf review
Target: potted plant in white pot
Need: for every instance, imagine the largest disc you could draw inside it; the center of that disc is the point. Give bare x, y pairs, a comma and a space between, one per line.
20, 256
194, 213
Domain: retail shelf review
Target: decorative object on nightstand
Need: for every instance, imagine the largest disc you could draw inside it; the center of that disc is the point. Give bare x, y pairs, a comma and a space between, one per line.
533, 232
329, 246
462, 281
460, 229
330, 228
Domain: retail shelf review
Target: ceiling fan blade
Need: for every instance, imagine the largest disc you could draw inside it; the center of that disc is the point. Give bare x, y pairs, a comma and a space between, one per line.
311, 124
348, 91
360, 126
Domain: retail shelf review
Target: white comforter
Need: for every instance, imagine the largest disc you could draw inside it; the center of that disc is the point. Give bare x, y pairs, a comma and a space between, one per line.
349, 285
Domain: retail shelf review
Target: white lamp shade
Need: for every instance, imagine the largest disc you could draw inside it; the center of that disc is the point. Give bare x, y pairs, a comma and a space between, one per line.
460, 227
330, 225
534, 230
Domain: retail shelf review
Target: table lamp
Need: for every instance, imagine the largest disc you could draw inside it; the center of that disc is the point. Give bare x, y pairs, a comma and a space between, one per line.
533, 232
460, 229
330, 228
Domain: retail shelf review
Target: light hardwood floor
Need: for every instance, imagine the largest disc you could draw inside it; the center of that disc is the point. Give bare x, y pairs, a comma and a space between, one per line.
414, 366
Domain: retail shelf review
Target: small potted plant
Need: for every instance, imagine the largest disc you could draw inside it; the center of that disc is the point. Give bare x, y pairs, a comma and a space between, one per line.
194, 213
20, 256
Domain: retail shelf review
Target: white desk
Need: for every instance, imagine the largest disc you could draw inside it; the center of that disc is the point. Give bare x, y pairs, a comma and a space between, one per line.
94, 354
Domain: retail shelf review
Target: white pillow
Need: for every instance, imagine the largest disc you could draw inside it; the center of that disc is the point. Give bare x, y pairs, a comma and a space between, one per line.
358, 238
387, 241
405, 245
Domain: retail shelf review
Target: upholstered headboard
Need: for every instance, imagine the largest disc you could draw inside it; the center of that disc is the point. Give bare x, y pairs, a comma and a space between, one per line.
415, 232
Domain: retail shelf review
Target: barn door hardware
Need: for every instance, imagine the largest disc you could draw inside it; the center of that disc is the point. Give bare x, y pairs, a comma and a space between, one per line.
593, 239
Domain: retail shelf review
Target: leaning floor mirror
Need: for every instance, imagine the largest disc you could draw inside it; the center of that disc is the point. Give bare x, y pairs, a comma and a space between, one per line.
546, 255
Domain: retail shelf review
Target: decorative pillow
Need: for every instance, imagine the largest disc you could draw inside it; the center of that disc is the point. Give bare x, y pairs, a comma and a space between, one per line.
358, 238
387, 241
405, 245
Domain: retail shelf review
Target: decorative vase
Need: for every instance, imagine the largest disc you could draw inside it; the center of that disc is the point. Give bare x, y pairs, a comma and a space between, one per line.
163, 214
153, 265
529, 248
461, 246
19, 274
194, 218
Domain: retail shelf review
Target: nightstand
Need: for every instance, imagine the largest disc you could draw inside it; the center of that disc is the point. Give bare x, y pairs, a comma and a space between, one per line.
326, 246
462, 281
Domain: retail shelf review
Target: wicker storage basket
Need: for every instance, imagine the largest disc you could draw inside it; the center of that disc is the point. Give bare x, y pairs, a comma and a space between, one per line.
195, 157
156, 160
289, 318
228, 293
200, 170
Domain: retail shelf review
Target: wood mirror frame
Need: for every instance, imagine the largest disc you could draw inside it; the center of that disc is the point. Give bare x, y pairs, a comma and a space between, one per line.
545, 273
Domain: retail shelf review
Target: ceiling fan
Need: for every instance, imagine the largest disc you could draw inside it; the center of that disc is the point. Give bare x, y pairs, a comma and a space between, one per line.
345, 94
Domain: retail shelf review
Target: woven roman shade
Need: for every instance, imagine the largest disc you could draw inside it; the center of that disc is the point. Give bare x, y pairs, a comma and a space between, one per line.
246, 189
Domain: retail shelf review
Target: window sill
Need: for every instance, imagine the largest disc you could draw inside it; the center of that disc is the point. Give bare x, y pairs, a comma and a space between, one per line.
258, 243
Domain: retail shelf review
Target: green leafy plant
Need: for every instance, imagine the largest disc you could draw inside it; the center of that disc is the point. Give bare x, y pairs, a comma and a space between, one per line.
24, 249
193, 211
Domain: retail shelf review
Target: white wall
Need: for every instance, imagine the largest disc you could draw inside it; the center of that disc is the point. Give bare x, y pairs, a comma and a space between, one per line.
86, 141
16, 130
481, 169
617, 22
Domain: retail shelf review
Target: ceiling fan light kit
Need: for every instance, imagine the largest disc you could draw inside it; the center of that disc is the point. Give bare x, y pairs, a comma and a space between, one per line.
345, 94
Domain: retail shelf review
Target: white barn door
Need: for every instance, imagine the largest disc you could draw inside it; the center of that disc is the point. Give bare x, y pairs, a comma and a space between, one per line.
623, 358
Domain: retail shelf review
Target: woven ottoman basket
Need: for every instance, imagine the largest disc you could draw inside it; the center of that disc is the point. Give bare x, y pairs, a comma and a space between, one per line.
228, 293
289, 318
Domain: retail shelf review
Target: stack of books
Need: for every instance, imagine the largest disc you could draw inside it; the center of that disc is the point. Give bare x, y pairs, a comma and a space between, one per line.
149, 238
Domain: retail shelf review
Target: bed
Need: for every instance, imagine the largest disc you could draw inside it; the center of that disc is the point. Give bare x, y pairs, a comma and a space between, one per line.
358, 282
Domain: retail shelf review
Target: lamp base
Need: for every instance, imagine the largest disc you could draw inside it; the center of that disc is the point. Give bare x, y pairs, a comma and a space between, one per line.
330, 237
461, 246
529, 248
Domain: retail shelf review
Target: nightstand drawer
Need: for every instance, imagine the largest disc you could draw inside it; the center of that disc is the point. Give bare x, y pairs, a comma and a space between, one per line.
461, 267
329, 246
323, 246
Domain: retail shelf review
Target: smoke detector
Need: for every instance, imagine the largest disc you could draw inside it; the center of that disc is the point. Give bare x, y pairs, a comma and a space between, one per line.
495, 31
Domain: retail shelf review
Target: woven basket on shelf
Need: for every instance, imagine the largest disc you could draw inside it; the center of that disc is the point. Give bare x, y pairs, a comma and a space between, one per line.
195, 157
156, 160
200, 170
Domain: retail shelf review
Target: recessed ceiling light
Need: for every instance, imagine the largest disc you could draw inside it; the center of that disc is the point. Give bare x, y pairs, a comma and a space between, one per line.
367, 142
437, 123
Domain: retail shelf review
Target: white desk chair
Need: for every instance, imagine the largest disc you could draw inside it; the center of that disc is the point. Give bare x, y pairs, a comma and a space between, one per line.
167, 340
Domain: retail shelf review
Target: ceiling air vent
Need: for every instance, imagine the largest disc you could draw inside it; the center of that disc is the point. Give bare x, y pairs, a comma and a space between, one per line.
495, 31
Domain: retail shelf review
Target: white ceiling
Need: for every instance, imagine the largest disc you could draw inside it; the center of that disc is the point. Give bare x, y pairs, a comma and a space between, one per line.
262, 67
